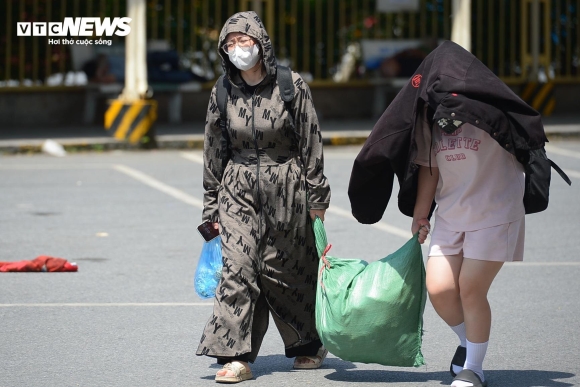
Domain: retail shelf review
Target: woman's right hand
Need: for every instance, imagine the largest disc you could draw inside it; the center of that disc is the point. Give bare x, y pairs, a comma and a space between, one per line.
423, 226
216, 226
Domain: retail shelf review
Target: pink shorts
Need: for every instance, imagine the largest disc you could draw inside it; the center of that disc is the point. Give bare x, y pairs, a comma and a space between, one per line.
503, 243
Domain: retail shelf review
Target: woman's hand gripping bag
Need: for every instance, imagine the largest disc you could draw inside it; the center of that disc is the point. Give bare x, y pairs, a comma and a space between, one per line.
371, 313
209, 268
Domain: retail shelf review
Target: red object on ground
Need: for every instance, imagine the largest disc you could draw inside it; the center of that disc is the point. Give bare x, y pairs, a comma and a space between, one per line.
40, 263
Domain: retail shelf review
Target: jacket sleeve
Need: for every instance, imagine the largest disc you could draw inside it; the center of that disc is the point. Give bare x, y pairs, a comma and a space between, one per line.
308, 128
212, 161
371, 183
383, 157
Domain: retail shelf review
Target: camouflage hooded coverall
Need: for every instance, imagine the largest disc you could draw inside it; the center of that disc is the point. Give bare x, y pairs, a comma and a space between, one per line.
261, 201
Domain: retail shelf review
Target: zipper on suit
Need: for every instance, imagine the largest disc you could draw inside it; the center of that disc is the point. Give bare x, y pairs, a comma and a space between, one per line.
261, 263
257, 172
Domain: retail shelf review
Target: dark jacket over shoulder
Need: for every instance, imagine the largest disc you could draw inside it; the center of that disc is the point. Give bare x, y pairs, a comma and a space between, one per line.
456, 86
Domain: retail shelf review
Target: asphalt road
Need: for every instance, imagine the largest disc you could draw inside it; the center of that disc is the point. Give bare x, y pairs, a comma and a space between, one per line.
130, 317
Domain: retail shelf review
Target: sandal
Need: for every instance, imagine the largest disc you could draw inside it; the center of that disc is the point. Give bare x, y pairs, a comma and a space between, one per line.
471, 377
241, 373
458, 359
317, 359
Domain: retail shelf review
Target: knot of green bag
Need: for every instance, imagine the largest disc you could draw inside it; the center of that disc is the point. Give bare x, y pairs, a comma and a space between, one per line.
326, 263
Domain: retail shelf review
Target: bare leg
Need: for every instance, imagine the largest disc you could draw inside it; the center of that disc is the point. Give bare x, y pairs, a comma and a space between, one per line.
475, 279
474, 282
443, 286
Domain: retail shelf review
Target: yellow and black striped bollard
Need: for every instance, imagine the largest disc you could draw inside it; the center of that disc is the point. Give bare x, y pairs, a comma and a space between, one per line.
131, 121
540, 96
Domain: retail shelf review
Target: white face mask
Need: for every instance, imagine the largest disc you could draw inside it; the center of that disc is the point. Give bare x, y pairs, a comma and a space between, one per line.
244, 58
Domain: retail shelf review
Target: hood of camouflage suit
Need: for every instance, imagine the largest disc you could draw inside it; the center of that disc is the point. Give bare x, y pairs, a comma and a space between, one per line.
250, 24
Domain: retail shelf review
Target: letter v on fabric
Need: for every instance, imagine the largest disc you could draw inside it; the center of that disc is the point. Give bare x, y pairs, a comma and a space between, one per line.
372, 313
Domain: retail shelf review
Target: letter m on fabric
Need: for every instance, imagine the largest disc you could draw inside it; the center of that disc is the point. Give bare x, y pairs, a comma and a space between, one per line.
223, 91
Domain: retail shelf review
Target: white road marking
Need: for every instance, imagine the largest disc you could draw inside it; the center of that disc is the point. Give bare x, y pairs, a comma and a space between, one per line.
339, 156
53, 166
563, 152
572, 173
103, 304
196, 157
568, 153
380, 225
524, 263
182, 196
154, 183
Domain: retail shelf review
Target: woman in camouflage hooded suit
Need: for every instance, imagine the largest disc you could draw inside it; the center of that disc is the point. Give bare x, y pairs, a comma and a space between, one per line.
263, 202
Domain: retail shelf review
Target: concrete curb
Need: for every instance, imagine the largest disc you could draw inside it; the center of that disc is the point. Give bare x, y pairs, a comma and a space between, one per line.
195, 141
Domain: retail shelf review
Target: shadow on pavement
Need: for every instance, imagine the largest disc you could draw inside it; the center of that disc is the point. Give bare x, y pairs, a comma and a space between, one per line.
345, 371
503, 378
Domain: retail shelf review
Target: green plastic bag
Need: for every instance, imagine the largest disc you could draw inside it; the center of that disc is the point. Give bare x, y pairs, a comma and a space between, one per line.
371, 313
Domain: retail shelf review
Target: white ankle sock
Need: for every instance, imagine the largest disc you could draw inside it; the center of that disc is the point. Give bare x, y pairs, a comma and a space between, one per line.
460, 332
475, 355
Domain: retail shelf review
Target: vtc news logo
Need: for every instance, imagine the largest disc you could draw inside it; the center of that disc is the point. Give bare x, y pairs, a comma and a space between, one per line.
77, 26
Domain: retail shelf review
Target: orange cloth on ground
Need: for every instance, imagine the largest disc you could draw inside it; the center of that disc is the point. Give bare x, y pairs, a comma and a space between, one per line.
40, 263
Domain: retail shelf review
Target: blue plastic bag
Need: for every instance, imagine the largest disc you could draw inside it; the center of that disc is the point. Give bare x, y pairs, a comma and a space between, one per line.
209, 268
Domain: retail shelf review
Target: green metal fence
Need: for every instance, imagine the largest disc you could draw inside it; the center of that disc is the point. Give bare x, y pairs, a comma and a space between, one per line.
311, 34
